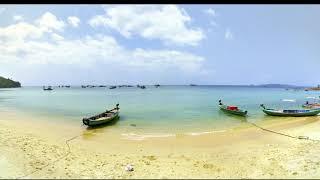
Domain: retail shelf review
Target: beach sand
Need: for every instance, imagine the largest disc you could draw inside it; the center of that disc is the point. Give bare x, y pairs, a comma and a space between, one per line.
37, 149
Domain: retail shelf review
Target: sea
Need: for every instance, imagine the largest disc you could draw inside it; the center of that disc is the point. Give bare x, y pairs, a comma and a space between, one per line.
166, 109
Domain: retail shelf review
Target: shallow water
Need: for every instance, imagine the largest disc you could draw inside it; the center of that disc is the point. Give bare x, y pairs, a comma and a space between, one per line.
167, 109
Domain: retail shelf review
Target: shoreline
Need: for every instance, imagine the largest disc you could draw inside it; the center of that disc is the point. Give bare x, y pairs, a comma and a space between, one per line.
258, 154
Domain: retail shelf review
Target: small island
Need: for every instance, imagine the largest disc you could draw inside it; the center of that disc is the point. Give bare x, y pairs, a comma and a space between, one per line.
313, 88
8, 83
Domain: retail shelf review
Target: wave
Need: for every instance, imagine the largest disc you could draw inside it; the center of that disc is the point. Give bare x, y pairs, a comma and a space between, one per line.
133, 136
311, 97
289, 100
207, 132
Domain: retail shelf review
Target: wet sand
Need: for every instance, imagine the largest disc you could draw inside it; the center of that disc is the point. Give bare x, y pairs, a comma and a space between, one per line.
30, 149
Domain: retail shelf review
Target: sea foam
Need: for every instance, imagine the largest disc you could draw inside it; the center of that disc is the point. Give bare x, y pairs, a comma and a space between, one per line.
139, 137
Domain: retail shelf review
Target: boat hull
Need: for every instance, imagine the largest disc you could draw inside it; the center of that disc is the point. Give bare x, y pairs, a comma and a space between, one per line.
102, 118
279, 113
91, 122
239, 113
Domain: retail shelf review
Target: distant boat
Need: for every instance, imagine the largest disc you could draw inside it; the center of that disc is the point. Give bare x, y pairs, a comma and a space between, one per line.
67, 86
47, 89
311, 106
157, 85
102, 86
112, 87
193, 85
289, 112
232, 109
102, 118
142, 87
83, 86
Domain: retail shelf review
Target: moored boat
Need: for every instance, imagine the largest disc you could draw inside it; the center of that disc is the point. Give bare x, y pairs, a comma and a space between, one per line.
47, 89
232, 109
102, 118
141, 87
290, 112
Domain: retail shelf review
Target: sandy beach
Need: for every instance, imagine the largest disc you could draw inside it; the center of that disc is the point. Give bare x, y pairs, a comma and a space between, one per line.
34, 149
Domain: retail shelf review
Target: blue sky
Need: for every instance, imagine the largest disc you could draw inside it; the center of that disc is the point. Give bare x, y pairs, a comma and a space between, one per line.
165, 44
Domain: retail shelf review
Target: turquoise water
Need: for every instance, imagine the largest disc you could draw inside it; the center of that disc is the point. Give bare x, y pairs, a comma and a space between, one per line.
163, 109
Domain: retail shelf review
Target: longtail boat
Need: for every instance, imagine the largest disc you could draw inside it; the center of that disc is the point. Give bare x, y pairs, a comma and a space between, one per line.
102, 118
290, 112
47, 89
232, 109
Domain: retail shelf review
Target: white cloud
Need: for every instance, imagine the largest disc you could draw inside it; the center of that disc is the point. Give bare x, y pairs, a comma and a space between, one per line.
56, 37
210, 12
168, 23
22, 31
41, 43
228, 34
88, 50
73, 21
49, 22
17, 18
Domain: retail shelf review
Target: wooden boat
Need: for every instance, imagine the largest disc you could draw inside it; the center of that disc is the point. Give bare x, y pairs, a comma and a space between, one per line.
47, 89
232, 109
102, 118
290, 112
141, 87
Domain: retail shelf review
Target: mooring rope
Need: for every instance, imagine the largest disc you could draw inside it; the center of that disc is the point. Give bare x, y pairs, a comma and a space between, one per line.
41, 168
283, 134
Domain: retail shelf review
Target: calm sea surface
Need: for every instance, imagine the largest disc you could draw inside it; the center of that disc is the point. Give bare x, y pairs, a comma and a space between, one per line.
163, 109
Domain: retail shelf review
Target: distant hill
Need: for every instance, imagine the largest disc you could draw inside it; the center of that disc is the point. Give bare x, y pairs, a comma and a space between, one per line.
279, 86
8, 83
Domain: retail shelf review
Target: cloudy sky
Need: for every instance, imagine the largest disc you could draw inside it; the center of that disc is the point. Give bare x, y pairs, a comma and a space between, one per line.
166, 44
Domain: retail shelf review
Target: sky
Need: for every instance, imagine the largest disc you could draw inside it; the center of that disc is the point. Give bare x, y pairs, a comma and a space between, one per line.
160, 44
